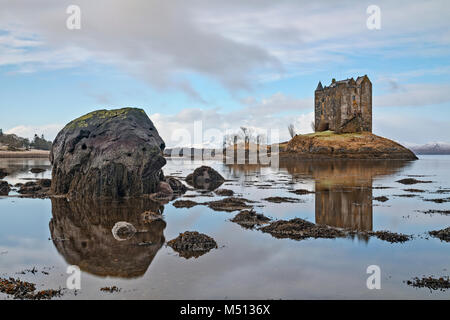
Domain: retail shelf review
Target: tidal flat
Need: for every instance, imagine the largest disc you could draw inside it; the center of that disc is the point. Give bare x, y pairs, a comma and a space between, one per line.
40, 238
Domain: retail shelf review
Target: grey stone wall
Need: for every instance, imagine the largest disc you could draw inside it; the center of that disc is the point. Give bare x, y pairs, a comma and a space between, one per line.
340, 103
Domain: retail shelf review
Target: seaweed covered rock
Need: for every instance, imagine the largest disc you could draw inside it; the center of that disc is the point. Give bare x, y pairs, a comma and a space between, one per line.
108, 153
192, 244
205, 177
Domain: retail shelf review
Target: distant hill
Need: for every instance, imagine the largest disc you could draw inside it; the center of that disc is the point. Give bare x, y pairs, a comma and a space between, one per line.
432, 148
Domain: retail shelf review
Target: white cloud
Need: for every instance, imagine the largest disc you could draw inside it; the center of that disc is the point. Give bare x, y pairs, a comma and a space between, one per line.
421, 94
49, 131
233, 42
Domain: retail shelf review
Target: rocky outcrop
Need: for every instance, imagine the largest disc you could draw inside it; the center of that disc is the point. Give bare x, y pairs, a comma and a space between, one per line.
205, 177
329, 145
107, 153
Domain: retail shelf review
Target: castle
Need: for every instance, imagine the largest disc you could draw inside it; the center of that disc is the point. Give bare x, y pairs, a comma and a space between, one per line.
345, 106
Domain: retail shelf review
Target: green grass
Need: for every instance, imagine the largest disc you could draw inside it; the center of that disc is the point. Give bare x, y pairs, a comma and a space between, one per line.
332, 135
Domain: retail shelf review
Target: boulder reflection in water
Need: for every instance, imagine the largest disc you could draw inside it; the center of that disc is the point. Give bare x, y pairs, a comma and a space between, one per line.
82, 234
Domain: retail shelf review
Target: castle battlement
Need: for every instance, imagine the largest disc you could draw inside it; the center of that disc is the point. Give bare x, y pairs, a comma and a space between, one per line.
344, 106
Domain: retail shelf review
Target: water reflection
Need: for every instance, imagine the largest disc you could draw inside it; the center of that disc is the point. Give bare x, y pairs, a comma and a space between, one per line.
343, 189
82, 234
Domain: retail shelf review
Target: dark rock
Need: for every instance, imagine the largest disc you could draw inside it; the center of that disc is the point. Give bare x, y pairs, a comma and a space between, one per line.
205, 177
282, 200
185, 204
3, 173
107, 153
192, 244
412, 181
164, 188
37, 170
381, 199
250, 219
229, 204
224, 192
177, 186
299, 229
301, 191
4, 188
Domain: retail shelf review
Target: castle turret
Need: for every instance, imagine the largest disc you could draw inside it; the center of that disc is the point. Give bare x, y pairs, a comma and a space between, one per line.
319, 86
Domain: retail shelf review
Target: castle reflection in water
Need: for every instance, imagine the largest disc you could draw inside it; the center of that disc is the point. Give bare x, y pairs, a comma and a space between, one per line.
343, 189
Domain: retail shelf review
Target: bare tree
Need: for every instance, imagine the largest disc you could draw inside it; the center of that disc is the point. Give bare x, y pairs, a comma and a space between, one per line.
291, 130
313, 126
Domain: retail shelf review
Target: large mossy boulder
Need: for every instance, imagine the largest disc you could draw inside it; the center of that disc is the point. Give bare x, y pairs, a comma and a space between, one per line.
107, 153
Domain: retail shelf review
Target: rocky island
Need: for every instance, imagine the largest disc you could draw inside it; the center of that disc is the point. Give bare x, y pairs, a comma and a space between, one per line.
331, 145
343, 126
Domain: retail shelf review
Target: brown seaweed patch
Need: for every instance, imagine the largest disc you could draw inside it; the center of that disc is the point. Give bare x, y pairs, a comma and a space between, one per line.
26, 290
443, 234
442, 283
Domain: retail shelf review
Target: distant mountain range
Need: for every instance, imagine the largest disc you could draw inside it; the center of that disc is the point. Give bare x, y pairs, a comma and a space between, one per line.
431, 148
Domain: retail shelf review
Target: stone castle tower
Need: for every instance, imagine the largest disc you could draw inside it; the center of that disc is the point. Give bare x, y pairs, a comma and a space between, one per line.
345, 106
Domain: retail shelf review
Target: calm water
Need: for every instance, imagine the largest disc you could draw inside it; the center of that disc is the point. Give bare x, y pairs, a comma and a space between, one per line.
52, 234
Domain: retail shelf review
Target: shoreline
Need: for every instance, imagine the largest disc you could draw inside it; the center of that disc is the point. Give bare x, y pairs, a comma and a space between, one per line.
24, 154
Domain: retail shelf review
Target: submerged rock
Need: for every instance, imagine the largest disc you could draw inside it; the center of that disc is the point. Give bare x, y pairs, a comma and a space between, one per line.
250, 219
4, 188
205, 177
443, 234
192, 244
412, 181
107, 153
282, 200
224, 192
185, 204
381, 199
229, 204
37, 170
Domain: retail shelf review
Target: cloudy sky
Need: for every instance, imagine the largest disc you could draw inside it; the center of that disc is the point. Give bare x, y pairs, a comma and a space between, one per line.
229, 63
